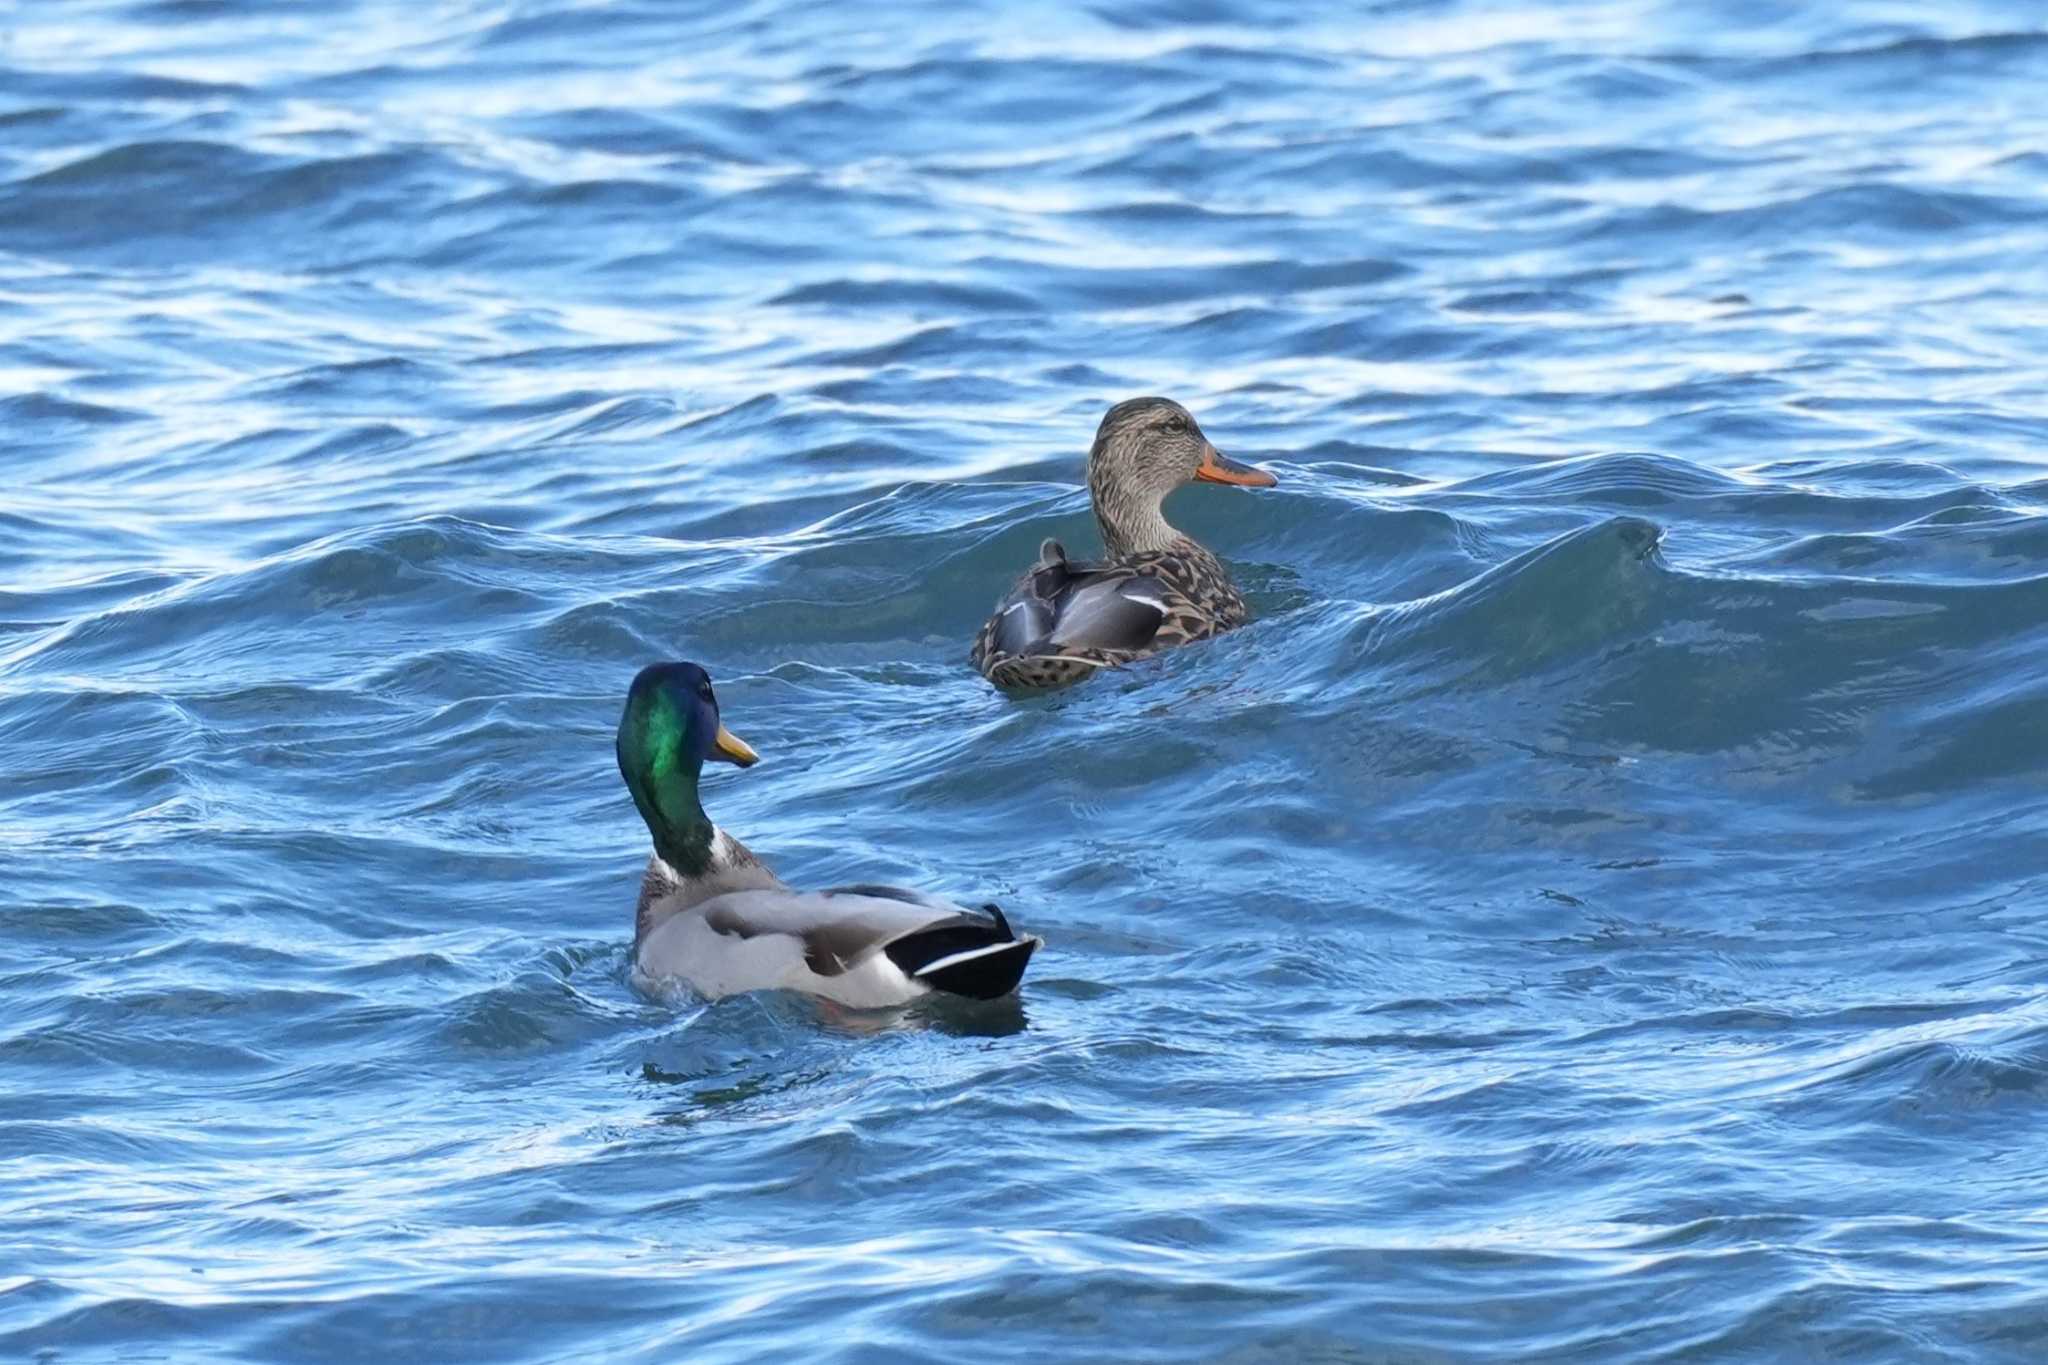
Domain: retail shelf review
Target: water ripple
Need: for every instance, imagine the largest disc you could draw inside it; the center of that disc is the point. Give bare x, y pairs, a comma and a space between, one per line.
1591, 912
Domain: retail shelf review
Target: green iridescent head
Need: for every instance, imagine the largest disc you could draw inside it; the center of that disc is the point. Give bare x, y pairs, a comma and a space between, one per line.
669, 728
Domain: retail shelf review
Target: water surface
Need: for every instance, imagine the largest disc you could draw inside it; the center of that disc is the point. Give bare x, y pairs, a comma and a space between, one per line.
1594, 912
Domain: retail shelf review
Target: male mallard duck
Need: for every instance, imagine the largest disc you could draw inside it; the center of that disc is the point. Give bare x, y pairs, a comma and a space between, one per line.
713, 915
1157, 588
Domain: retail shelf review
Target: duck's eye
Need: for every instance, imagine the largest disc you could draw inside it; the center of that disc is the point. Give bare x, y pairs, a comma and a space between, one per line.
1177, 425
704, 691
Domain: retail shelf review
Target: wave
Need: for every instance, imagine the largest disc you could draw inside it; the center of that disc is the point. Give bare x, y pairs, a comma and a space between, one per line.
1598, 888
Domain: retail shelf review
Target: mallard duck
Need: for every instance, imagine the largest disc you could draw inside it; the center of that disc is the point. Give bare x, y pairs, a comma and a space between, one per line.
1156, 589
714, 916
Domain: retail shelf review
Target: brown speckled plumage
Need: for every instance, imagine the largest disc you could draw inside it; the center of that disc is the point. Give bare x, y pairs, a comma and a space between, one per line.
1158, 589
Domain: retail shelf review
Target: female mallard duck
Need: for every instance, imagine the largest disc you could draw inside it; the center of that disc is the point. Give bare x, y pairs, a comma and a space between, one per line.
713, 915
1157, 589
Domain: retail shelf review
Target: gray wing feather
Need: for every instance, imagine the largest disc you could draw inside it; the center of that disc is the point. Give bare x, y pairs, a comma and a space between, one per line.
1061, 605
839, 929
1022, 622
1112, 613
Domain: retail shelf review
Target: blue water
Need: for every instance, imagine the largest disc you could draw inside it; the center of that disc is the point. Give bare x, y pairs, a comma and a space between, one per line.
1595, 912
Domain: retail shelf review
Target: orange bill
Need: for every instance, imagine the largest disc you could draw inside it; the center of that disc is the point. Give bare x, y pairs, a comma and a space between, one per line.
1216, 467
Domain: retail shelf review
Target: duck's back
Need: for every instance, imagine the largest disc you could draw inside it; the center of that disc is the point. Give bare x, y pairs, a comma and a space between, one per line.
862, 946
1063, 620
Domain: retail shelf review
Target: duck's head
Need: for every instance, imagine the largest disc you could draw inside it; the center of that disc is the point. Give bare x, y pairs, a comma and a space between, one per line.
669, 728
1144, 449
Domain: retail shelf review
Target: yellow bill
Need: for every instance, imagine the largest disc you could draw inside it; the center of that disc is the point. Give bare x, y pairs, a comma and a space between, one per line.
733, 749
